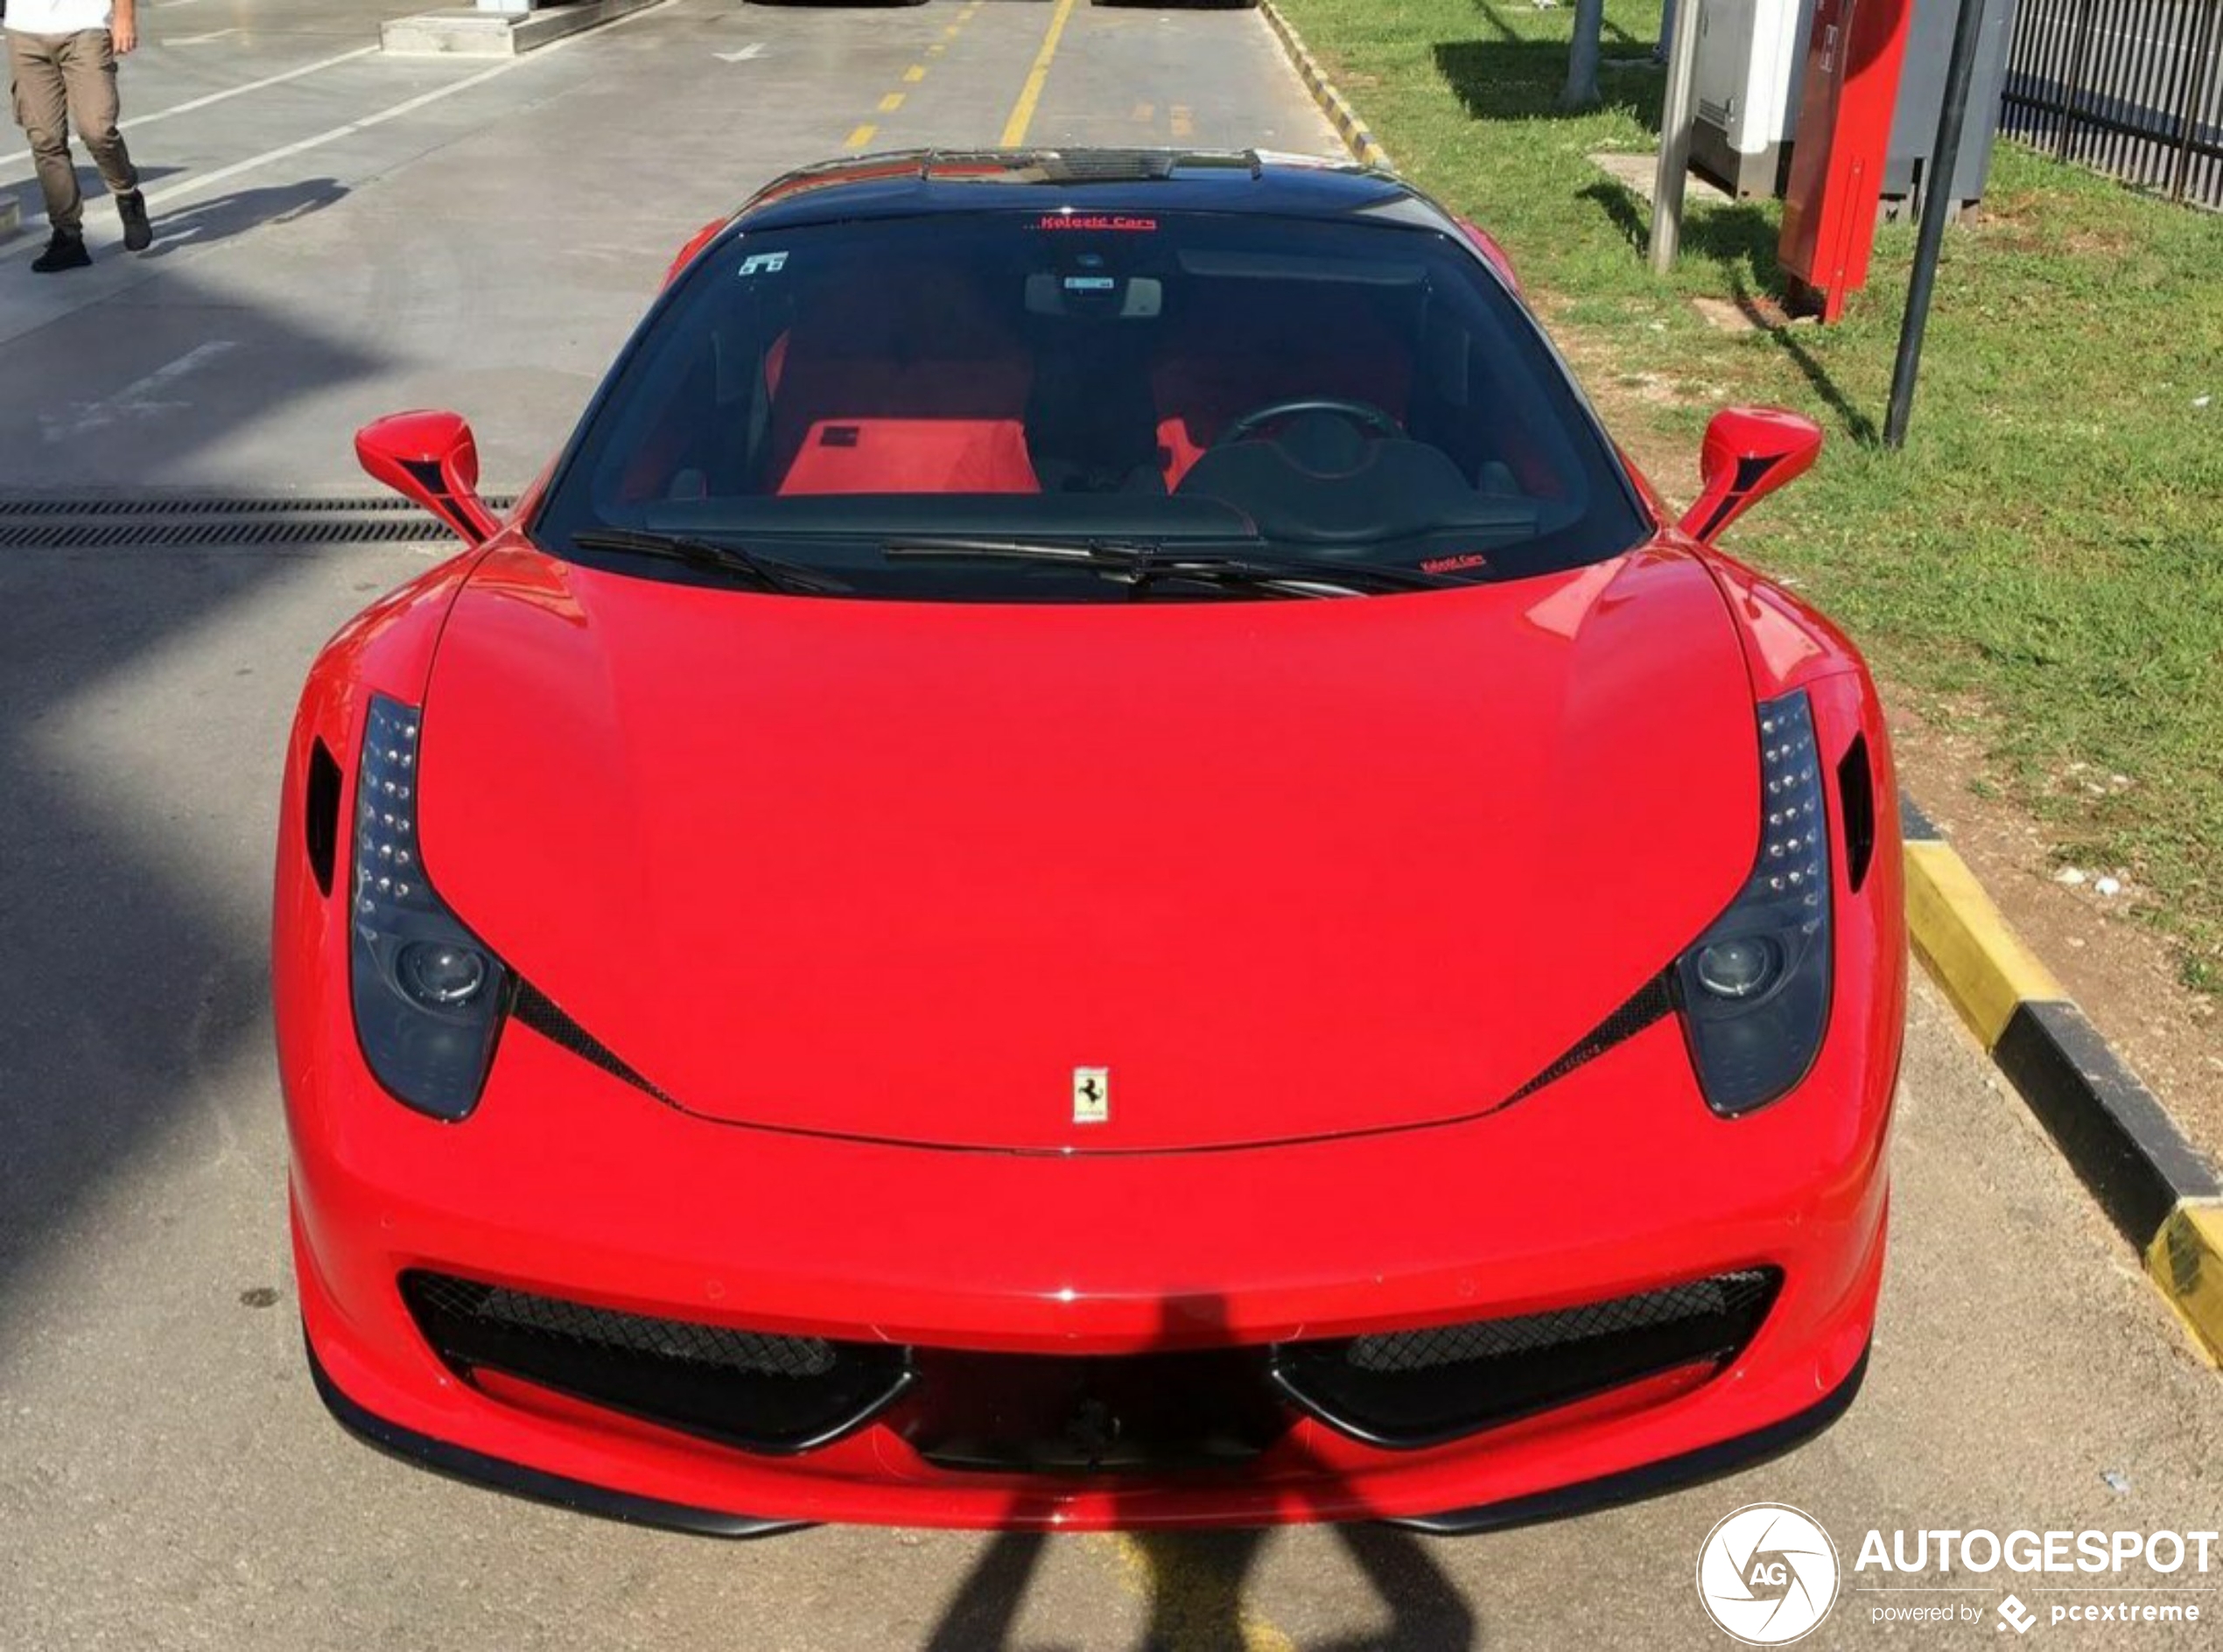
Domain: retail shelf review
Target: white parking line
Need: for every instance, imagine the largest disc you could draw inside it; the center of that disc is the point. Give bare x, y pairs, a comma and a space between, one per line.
188, 107
200, 181
135, 400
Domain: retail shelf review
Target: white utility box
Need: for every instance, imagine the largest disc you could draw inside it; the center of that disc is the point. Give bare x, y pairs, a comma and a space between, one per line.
1751, 55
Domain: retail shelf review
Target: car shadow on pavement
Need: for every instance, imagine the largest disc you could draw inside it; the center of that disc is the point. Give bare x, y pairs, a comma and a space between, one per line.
1194, 1584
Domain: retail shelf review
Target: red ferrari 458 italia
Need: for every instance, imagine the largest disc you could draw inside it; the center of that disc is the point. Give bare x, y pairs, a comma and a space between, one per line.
1089, 861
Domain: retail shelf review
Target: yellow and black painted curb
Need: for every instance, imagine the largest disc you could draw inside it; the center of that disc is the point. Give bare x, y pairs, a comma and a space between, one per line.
1362, 142
2160, 1192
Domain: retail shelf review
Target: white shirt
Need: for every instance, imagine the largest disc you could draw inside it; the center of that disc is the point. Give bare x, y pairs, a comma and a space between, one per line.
59, 16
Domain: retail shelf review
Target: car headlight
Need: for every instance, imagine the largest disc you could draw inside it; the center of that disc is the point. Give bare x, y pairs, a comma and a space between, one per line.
429, 999
1755, 989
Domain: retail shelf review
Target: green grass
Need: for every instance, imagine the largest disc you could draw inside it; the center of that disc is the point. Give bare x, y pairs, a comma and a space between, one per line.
2043, 564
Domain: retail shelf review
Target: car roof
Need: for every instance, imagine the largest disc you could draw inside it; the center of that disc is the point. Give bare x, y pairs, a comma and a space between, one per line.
910, 182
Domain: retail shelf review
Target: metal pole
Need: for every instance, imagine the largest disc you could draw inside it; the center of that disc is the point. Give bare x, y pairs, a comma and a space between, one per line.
1674, 137
1939, 185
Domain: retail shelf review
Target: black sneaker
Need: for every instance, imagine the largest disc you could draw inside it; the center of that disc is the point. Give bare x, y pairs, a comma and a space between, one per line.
138, 234
65, 251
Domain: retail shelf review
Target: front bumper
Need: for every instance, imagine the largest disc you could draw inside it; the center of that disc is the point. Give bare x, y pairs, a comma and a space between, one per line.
1614, 1180
1694, 1467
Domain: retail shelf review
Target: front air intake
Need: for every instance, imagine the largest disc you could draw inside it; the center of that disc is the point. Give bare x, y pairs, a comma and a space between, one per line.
1411, 1389
748, 1389
1857, 807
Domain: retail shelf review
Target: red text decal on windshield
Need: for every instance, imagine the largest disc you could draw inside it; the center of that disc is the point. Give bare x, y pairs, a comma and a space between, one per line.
1098, 221
1452, 565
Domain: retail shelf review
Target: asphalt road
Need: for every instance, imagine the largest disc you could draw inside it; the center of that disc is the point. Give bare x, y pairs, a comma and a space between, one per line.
166, 1476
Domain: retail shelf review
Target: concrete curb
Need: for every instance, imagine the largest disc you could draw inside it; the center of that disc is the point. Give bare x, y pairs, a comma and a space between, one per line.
1362, 142
2158, 1190
465, 32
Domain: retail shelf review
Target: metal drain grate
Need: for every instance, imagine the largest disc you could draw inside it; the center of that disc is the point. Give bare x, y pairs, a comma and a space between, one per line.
39, 523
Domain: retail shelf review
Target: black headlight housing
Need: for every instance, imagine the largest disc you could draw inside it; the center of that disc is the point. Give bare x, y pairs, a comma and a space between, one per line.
1755, 989
429, 997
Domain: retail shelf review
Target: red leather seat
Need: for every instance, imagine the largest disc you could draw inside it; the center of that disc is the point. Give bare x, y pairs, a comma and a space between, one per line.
917, 390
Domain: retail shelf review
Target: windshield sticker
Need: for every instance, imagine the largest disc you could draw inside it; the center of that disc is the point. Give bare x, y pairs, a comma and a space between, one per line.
1454, 564
764, 263
1115, 222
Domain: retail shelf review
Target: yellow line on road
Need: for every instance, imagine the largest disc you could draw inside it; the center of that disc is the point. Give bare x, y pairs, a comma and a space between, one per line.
893, 102
862, 135
1195, 1602
1022, 113
914, 74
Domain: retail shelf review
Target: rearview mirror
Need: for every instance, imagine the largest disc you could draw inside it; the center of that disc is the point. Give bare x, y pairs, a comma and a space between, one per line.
1749, 452
433, 458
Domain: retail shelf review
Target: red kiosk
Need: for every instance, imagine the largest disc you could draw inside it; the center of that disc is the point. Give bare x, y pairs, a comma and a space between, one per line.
1844, 138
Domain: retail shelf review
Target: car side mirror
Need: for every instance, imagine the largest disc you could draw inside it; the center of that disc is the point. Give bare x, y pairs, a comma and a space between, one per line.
685, 256
433, 458
1749, 452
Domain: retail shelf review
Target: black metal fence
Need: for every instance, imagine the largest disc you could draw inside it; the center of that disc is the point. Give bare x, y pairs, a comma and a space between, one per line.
2133, 87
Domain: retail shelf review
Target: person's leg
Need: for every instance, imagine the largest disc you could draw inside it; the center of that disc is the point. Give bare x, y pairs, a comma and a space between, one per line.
42, 109
88, 71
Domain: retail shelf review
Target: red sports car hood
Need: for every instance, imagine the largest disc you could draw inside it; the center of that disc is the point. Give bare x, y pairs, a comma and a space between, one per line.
1284, 868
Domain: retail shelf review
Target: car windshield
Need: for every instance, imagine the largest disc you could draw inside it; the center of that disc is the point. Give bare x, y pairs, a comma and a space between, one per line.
948, 406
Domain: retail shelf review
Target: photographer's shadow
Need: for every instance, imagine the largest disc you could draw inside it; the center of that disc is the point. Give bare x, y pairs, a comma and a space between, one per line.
1193, 1583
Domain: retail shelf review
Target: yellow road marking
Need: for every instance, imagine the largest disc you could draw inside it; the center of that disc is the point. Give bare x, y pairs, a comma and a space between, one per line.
915, 74
952, 29
1022, 113
893, 102
1195, 1602
862, 135
1184, 123
1981, 964
936, 49
1146, 113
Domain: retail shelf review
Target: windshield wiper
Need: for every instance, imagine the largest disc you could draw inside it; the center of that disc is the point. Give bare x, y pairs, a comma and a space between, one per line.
1144, 562
711, 555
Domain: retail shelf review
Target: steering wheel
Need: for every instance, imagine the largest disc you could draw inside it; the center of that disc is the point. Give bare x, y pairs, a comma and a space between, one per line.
1365, 414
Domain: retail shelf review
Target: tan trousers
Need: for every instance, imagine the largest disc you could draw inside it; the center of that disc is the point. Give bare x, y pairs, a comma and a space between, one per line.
62, 81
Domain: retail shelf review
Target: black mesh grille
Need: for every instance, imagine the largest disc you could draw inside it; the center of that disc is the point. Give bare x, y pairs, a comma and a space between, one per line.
562, 1321
752, 1389
1731, 1294
1417, 1388
1654, 1001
